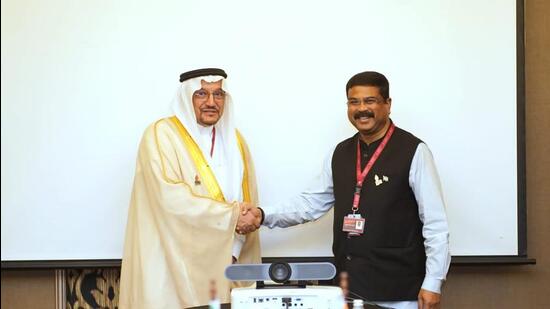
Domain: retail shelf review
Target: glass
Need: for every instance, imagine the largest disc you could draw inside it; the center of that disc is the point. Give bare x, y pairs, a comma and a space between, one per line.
202, 94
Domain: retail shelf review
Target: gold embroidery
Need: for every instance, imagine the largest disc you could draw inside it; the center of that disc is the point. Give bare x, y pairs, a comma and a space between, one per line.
205, 172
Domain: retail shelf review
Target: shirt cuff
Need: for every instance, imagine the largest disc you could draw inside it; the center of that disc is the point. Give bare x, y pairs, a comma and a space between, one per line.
432, 285
267, 213
263, 215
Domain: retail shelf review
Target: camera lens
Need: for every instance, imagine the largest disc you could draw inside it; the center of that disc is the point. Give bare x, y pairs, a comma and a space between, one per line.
280, 272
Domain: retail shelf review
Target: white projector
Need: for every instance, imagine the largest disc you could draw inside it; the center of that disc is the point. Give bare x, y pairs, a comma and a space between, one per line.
284, 294
310, 297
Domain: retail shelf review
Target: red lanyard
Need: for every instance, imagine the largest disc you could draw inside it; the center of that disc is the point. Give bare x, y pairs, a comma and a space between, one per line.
361, 175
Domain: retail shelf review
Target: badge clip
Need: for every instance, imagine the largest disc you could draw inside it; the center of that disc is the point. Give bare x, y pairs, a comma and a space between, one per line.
353, 224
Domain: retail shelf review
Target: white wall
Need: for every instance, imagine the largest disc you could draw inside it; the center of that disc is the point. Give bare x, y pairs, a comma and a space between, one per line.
82, 79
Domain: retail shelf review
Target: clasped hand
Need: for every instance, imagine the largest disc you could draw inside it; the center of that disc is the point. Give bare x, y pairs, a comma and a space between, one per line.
249, 218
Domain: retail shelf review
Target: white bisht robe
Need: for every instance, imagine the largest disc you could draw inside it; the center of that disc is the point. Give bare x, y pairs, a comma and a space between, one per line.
180, 229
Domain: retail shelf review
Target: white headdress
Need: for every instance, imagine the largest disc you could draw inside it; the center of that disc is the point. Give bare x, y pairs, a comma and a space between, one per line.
182, 106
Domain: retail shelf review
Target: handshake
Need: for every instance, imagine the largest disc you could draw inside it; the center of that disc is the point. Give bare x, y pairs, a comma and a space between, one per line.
250, 218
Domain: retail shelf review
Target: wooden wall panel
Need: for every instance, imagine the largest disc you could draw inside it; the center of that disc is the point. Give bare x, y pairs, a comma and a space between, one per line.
24, 289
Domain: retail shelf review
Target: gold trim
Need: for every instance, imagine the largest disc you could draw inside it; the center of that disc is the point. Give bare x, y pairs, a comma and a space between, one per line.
205, 173
193, 148
169, 180
246, 185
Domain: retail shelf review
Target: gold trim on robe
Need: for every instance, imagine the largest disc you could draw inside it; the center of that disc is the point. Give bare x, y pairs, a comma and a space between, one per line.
246, 185
205, 172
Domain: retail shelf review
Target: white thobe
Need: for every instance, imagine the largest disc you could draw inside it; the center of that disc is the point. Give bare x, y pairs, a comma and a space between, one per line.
218, 165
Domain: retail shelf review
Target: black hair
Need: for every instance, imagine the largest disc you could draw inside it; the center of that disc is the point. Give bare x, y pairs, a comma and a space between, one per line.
370, 78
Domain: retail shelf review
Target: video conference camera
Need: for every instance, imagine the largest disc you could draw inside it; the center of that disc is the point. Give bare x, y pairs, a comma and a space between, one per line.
280, 272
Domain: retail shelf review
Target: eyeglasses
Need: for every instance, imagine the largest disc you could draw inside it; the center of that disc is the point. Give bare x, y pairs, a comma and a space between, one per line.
202, 94
367, 101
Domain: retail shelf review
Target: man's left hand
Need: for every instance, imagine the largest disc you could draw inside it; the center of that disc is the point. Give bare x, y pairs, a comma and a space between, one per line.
428, 300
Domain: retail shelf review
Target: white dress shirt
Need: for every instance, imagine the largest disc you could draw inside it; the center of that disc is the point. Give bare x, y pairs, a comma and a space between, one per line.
424, 182
217, 164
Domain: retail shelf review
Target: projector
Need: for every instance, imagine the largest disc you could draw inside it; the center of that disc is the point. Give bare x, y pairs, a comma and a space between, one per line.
284, 294
309, 297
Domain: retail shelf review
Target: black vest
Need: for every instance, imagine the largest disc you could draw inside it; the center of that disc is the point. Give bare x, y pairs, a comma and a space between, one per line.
387, 262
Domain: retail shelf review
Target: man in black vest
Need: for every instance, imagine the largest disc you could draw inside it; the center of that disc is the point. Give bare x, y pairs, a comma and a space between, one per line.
390, 228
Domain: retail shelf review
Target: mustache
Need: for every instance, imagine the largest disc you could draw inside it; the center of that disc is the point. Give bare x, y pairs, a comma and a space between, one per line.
363, 114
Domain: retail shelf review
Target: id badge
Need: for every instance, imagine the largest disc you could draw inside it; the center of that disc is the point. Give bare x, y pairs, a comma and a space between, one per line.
354, 225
